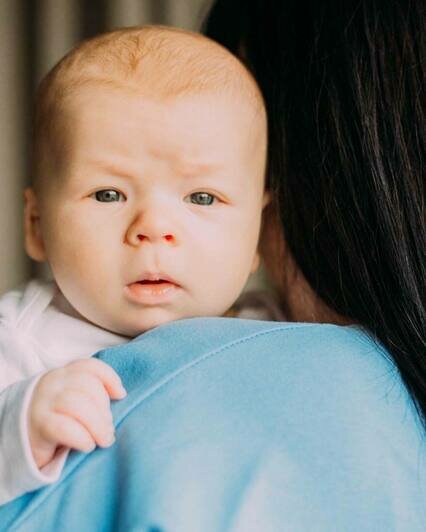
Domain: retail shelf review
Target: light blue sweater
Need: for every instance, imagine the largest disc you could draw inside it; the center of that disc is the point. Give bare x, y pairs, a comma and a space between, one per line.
234, 425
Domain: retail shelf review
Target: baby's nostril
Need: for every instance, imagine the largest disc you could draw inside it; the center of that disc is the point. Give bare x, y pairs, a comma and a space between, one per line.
168, 238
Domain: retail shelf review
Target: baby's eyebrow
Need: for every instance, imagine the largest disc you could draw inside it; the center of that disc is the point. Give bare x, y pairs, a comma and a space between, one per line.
112, 169
183, 168
191, 169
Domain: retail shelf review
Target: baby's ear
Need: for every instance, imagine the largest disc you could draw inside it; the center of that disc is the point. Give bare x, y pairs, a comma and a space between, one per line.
34, 245
267, 198
256, 262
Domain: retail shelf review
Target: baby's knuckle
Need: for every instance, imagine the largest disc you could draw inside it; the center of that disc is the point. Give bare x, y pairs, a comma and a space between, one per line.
65, 401
52, 380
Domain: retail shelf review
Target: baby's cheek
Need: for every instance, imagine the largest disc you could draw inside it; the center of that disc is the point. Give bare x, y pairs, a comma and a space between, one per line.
75, 255
219, 276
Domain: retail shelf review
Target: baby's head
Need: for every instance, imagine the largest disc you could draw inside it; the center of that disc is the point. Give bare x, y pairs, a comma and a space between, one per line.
149, 163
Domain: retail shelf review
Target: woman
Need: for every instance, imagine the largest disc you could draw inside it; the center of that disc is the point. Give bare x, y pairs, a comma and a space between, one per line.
344, 85
238, 425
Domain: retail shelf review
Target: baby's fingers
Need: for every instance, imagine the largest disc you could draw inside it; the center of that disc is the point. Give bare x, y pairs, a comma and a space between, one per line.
86, 383
104, 373
81, 409
64, 430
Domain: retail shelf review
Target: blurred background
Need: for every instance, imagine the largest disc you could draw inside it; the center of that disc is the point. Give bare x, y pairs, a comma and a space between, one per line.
34, 35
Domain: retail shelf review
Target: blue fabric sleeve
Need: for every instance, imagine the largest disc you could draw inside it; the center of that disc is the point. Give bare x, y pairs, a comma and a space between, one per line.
234, 425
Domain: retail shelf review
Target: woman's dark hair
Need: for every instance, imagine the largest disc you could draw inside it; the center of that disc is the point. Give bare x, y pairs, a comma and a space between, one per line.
344, 86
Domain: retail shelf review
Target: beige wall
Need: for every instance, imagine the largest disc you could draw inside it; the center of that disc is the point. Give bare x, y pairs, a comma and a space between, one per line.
57, 26
14, 267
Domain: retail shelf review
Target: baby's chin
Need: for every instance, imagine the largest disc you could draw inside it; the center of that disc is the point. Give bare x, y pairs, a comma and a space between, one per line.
149, 319
131, 321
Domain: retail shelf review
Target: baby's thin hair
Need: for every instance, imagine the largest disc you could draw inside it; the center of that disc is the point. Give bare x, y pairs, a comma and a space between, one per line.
155, 61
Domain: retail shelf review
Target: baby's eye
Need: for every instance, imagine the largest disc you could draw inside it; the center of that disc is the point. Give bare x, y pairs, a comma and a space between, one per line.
201, 198
108, 196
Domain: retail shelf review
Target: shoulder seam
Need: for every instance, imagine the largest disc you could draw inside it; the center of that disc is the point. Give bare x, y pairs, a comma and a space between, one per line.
216, 351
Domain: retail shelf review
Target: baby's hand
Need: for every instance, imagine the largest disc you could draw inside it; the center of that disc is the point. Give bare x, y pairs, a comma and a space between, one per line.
71, 407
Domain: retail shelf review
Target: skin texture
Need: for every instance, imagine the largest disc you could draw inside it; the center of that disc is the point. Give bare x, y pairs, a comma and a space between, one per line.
154, 155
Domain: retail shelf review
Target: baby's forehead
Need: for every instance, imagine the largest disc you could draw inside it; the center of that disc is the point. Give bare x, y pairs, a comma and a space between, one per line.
188, 129
162, 63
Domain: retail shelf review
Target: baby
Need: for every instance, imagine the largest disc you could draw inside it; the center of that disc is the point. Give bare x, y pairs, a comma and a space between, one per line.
149, 163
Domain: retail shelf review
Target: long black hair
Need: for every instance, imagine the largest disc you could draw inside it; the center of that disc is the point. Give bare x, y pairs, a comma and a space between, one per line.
344, 85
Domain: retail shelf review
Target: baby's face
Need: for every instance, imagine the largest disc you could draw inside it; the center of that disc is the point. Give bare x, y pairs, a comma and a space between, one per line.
155, 215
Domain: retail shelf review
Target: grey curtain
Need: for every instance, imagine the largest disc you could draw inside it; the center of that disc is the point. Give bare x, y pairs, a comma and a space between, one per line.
34, 35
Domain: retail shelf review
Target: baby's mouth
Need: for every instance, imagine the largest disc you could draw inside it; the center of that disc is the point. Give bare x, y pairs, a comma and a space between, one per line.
147, 281
152, 289
155, 284
154, 280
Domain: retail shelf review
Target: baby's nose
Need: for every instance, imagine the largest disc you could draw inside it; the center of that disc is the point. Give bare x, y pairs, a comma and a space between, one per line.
153, 228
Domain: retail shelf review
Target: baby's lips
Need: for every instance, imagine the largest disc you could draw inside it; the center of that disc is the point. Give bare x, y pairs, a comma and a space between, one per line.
158, 276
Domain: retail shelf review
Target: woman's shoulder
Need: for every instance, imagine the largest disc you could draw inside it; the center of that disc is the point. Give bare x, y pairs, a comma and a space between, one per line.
328, 356
315, 416
244, 425
330, 383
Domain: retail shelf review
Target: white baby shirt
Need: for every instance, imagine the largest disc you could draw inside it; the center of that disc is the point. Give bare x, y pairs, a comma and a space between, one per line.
39, 331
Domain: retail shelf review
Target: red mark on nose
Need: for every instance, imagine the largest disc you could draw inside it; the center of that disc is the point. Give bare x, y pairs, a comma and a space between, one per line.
168, 237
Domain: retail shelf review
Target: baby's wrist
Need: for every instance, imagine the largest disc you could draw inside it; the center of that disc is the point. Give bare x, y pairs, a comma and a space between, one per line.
43, 453
42, 450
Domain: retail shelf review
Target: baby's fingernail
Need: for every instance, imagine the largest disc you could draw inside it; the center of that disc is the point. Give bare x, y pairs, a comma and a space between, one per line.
122, 391
107, 440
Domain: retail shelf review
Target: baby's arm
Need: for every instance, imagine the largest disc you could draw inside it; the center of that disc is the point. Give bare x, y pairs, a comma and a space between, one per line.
26, 466
32, 453
70, 407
